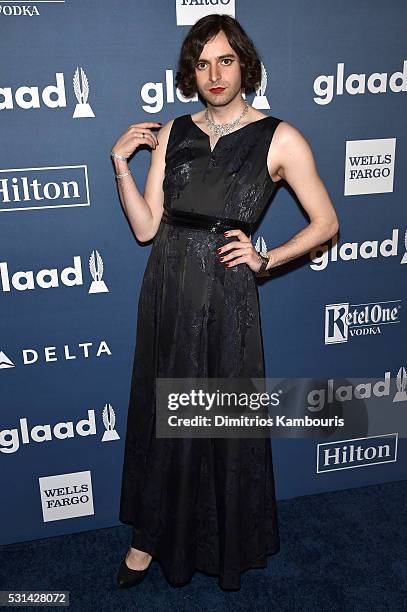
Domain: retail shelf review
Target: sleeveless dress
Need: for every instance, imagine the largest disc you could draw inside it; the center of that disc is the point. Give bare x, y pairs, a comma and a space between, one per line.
201, 504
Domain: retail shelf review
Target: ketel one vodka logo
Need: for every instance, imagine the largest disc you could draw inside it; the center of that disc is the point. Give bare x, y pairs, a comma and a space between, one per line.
109, 421
349, 320
50, 278
81, 89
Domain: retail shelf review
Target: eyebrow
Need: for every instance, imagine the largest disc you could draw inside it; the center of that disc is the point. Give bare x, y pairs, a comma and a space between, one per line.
219, 57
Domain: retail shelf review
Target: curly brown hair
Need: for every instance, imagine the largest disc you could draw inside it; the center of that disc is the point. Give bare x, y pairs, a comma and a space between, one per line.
203, 30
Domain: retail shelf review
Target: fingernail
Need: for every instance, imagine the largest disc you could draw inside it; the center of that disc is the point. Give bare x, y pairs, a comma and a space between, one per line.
225, 233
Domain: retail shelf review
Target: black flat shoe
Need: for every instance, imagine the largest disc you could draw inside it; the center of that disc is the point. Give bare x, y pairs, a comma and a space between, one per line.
127, 577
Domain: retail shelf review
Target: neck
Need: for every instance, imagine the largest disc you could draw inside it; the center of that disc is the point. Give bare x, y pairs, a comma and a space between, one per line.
226, 114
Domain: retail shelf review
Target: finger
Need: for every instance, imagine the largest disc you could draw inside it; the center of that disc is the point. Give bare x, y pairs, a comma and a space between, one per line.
235, 262
153, 136
240, 235
147, 139
235, 253
146, 124
230, 245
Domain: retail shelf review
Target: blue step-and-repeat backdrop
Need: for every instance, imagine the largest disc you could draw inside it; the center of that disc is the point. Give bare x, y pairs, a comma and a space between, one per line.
74, 75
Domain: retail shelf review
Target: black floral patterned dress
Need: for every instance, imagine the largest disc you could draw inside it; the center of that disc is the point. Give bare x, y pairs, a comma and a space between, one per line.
201, 504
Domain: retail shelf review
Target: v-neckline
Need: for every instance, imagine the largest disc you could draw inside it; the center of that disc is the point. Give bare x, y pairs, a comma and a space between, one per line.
225, 135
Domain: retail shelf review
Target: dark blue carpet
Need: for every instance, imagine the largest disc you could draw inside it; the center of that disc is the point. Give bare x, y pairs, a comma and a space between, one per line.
344, 551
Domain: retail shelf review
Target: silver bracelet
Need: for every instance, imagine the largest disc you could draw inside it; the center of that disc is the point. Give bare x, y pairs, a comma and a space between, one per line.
123, 174
118, 156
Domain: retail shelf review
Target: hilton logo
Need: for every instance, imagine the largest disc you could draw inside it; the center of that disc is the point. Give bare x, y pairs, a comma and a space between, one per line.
48, 187
359, 452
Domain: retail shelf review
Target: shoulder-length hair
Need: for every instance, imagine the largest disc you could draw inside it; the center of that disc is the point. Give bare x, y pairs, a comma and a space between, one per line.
203, 30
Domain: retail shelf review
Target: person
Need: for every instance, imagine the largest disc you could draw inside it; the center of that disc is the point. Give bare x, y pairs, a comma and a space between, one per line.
206, 504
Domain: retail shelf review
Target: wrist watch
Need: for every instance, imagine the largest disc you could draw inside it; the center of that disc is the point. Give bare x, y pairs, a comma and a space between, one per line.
265, 259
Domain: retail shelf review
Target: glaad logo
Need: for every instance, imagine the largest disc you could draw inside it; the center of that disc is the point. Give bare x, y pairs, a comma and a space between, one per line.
50, 279
153, 93
369, 166
96, 270
260, 100
345, 454
351, 251
109, 421
27, 97
350, 320
51, 353
324, 86
319, 399
66, 496
10, 438
81, 89
260, 246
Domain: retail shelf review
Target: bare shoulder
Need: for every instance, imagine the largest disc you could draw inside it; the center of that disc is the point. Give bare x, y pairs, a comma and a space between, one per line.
287, 134
164, 132
288, 143
162, 135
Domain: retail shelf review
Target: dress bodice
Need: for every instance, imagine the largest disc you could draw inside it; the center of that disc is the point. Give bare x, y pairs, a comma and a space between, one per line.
230, 181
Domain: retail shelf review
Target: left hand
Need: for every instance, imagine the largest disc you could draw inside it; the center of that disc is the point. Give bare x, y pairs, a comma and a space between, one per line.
243, 251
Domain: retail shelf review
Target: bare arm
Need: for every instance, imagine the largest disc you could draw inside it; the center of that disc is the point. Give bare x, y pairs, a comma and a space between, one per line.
291, 155
143, 211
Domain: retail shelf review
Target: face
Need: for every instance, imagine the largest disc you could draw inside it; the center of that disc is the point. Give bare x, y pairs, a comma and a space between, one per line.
218, 66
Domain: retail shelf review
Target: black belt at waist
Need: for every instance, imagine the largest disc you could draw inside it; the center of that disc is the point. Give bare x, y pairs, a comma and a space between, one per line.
204, 222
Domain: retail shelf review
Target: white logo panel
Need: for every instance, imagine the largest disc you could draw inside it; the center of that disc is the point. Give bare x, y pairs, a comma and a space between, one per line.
369, 166
66, 496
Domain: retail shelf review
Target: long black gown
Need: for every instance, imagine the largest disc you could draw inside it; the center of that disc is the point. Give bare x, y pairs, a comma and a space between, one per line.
201, 504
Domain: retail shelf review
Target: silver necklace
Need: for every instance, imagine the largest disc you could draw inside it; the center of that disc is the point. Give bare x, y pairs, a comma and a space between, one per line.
220, 129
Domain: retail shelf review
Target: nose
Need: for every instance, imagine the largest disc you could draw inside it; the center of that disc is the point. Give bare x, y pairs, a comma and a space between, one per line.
214, 72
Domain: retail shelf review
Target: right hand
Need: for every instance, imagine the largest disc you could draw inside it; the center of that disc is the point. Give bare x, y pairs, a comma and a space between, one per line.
132, 138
